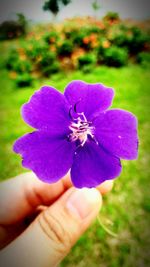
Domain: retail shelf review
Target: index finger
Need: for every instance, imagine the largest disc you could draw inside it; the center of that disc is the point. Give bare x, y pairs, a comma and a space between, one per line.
20, 196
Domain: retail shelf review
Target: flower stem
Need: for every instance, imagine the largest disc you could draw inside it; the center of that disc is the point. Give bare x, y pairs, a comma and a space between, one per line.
108, 231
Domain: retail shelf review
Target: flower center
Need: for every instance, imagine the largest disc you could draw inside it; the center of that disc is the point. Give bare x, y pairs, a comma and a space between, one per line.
81, 129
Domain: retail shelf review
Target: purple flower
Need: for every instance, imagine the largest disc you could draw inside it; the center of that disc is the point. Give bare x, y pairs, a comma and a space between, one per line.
76, 131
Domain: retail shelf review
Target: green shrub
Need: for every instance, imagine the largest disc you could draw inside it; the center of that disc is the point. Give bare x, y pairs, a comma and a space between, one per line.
11, 60
22, 66
65, 49
78, 38
24, 80
122, 36
49, 63
70, 33
22, 20
132, 38
36, 49
87, 68
138, 40
115, 56
13, 28
51, 37
86, 62
51, 69
143, 58
93, 29
111, 16
47, 59
103, 45
100, 54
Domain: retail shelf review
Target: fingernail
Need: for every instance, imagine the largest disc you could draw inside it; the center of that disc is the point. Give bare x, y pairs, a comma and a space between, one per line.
83, 201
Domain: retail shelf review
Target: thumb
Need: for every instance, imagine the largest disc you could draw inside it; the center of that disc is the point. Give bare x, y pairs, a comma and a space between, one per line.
50, 237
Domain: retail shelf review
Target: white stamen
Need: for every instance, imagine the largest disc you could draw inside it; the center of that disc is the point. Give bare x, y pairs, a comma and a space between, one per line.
81, 129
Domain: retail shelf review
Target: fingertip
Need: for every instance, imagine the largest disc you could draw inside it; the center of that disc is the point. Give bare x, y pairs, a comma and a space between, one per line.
106, 187
84, 201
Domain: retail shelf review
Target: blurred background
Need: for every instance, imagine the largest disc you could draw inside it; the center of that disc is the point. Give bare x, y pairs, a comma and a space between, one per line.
56, 41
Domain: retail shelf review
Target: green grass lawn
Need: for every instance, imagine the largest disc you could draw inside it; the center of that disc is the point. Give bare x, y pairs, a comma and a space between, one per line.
126, 209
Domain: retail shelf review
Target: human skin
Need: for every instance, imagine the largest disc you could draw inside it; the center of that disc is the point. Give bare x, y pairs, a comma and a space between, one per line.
39, 223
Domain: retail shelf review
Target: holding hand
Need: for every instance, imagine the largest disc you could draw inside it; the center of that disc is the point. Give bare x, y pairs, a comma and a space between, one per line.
39, 223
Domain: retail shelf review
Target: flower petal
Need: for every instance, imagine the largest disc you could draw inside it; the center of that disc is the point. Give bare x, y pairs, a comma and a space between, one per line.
93, 165
49, 157
89, 98
116, 130
47, 110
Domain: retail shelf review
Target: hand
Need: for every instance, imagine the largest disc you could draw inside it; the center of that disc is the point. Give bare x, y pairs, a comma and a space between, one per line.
39, 223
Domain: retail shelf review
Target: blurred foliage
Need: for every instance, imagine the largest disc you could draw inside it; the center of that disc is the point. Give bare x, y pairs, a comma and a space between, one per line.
13, 29
143, 58
78, 44
87, 62
54, 5
65, 48
112, 17
115, 56
95, 5
51, 37
22, 21
24, 80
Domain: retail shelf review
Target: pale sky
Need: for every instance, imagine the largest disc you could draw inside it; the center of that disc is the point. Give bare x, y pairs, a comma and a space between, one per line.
137, 9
